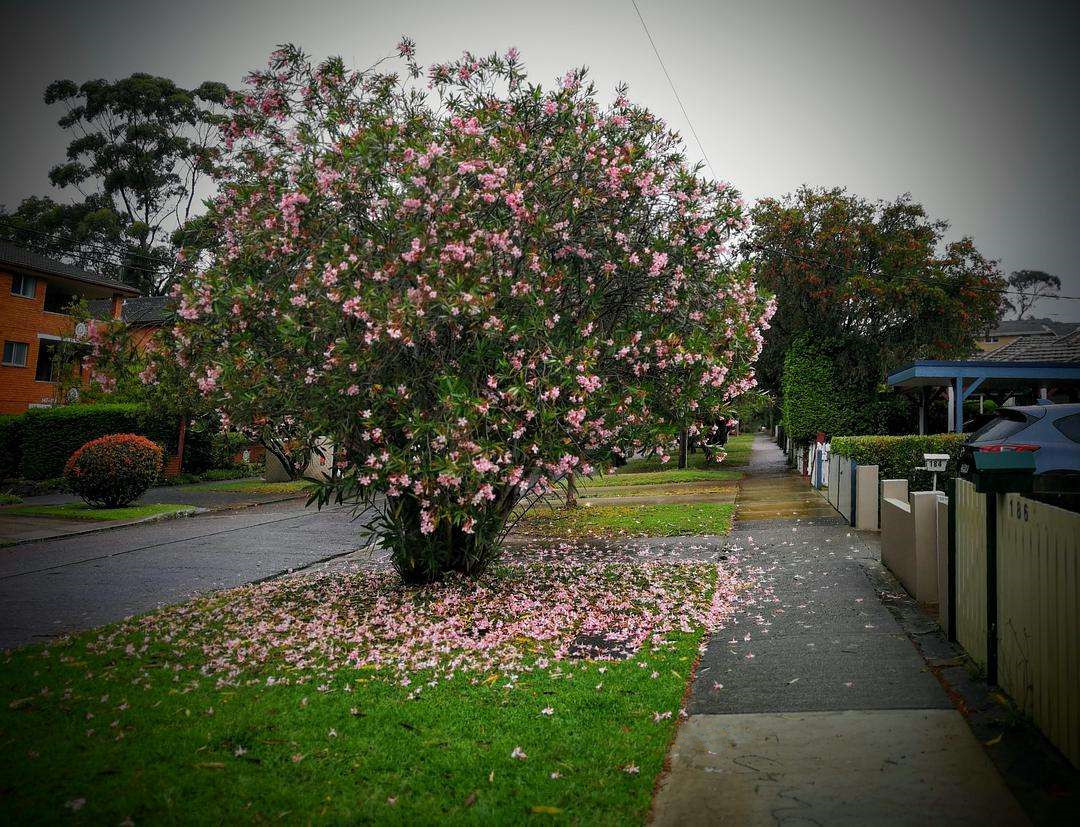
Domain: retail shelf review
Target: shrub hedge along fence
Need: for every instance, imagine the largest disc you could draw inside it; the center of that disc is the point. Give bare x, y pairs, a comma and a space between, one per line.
113, 470
814, 399
897, 457
36, 445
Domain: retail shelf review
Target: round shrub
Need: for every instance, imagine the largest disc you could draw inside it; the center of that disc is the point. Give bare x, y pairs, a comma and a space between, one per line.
113, 470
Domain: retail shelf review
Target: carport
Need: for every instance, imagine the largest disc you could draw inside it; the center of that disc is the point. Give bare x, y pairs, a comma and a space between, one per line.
962, 378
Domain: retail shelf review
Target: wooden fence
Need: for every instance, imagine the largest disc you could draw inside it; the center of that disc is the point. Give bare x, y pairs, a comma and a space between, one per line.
971, 570
1038, 548
1036, 639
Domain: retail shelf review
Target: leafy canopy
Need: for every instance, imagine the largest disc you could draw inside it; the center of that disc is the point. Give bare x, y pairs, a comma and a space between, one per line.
1026, 287
472, 289
872, 284
141, 148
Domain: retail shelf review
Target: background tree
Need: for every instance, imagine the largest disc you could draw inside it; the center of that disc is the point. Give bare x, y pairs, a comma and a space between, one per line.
472, 291
869, 285
141, 151
1026, 288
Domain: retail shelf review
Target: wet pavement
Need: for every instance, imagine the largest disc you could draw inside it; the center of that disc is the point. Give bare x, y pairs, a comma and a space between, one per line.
814, 707
56, 587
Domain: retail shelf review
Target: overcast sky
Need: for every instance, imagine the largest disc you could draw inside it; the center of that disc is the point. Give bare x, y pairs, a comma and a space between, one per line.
971, 107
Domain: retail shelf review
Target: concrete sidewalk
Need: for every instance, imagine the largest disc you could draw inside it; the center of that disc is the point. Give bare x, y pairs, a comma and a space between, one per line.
815, 708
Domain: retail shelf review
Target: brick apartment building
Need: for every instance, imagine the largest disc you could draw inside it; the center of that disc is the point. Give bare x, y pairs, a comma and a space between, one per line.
34, 291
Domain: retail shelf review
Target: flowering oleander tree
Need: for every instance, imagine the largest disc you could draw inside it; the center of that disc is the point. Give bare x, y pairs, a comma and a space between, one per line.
471, 285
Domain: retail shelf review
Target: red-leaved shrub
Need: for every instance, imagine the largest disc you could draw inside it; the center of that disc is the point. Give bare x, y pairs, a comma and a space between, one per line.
113, 470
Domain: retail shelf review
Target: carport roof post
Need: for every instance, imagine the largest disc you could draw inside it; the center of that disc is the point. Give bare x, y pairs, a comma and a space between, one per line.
964, 377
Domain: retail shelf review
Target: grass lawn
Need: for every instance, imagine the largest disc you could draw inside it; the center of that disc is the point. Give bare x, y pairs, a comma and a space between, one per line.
662, 520
258, 486
335, 698
82, 511
738, 454
674, 476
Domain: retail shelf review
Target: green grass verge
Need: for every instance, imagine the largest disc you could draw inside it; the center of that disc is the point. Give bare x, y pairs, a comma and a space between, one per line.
124, 738
738, 454
258, 486
82, 511
659, 477
10, 499
663, 520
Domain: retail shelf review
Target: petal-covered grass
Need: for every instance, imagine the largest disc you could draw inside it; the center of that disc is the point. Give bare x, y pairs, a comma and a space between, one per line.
674, 476
598, 496
343, 697
607, 521
82, 511
737, 452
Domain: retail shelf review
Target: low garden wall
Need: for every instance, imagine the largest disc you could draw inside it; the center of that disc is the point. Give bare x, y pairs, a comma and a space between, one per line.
869, 459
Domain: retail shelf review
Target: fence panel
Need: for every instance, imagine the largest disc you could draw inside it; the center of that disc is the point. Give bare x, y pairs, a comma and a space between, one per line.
834, 479
1039, 616
843, 487
971, 570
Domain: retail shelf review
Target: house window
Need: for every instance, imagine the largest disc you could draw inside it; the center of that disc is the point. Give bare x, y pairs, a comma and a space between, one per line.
15, 354
25, 286
46, 362
57, 299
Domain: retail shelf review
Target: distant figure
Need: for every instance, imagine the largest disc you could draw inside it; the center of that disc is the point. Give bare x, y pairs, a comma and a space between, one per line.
716, 442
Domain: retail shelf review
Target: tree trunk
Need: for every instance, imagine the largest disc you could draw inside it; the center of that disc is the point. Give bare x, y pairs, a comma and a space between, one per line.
571, 491
682, 448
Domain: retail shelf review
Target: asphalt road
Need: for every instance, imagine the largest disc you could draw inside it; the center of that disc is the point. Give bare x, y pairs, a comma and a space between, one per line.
56, 587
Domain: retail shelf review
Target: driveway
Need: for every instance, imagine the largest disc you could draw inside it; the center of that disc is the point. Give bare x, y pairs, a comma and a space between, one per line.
60, 586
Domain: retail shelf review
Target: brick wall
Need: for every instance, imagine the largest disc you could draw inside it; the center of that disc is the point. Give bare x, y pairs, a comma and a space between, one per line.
21, 319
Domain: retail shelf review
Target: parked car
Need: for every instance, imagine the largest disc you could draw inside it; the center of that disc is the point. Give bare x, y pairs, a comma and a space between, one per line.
1050, 432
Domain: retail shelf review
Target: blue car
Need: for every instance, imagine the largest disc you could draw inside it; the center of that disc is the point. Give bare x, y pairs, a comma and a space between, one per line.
1050, 432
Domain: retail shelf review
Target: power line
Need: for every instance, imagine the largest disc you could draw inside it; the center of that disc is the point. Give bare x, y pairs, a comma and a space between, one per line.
674, 91
704, 155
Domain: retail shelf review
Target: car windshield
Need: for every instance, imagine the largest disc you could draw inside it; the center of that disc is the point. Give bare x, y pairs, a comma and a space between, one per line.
1004, 426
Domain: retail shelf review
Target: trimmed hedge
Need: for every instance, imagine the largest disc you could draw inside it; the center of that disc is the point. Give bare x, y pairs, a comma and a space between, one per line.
50, 435
815, 399
897, 457
113, 471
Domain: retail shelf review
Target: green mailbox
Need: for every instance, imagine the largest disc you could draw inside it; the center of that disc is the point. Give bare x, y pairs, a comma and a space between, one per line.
1004, 472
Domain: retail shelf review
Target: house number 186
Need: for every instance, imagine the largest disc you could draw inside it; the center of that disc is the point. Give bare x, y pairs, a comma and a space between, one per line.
1018, 510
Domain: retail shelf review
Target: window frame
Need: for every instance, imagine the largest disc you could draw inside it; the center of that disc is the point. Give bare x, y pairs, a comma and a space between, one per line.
26, 354
22, 280
46, 346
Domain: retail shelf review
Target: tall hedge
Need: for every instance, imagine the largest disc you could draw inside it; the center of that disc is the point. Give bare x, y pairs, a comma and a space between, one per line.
10, 445
51, 435
897, 457
815, 398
